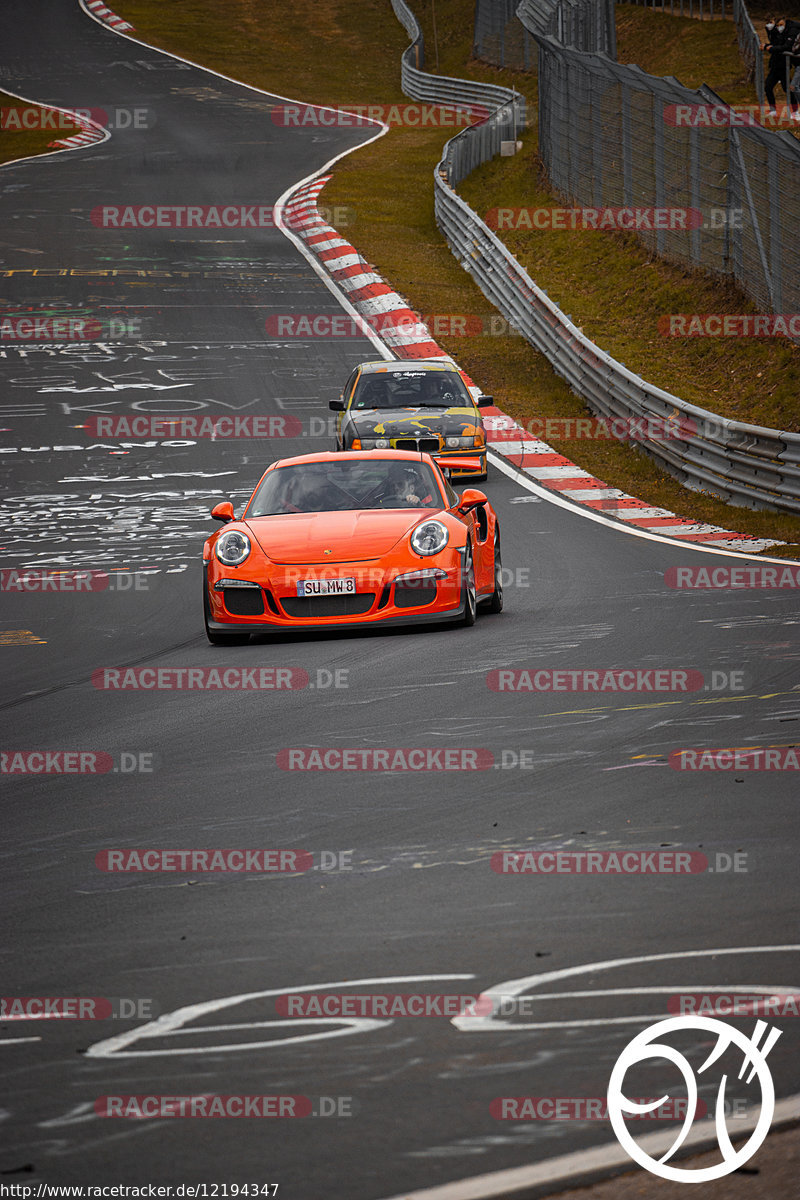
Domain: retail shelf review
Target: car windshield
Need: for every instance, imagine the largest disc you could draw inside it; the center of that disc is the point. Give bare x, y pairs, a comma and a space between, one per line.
348, 484
411, 389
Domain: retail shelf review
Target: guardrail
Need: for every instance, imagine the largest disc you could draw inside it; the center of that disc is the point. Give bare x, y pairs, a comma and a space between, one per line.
443, 89
742, 464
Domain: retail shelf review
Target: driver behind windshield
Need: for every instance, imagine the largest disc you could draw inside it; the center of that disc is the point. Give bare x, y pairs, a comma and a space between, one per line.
444, 393
338, 486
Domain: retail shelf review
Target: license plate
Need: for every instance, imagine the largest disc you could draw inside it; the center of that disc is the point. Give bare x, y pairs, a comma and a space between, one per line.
326, 587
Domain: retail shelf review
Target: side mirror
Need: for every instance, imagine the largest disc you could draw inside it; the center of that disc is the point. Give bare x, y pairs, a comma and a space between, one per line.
471, 498
223, 511
336, 405
485, 401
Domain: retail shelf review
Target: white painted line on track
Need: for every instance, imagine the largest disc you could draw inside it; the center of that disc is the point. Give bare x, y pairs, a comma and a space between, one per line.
171, 1024
519, 476
315, 263
569, 1169
516, 987
103, 133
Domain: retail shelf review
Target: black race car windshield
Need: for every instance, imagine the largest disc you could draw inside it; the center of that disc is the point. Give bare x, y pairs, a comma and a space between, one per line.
411, 389
347, 485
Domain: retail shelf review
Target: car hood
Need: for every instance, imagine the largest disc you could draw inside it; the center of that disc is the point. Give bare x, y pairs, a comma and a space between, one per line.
333, 537
408, 422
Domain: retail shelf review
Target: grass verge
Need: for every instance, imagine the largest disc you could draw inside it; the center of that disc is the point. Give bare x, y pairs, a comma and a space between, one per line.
19, 142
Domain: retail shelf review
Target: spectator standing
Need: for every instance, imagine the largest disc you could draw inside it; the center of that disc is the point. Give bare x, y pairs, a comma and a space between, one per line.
794, 86
781, 35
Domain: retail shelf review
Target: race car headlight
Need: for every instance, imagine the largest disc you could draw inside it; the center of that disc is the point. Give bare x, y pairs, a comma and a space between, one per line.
454, 443
232, 548
373, 444
430, 537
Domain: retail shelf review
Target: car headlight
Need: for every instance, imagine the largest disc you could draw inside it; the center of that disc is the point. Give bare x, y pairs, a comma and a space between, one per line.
232, 548
429, 537
372, 443
457, 442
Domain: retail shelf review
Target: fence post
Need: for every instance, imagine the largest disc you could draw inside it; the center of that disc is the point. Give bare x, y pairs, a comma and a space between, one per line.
541, 71
627, 149
737, 146
728, 261
575, 157
658, 163
597, 141
694, 182
775, 239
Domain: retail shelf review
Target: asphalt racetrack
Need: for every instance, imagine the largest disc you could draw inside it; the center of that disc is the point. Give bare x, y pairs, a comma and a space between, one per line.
410, 900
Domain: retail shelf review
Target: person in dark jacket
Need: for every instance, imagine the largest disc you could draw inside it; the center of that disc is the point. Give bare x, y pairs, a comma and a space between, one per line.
781, 35
795, 83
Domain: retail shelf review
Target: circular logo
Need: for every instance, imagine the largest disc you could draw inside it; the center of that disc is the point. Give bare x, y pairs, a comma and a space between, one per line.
645, 1046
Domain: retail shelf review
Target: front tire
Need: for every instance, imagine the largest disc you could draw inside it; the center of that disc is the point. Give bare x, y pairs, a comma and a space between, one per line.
495, 603
468, 590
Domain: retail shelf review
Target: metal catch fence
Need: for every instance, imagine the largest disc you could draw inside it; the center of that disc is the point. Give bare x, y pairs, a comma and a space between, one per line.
743, 464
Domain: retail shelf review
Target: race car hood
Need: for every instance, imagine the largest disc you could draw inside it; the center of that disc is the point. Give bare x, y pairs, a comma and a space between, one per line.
333, 537
408, 422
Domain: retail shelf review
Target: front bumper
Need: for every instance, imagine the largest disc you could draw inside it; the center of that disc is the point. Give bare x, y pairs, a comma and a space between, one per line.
423, 447
401, 594
437, 618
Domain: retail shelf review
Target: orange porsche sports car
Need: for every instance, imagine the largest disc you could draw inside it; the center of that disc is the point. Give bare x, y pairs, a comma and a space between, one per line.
364, 539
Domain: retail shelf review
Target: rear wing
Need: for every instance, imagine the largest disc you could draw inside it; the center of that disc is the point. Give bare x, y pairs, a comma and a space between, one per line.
459, 464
